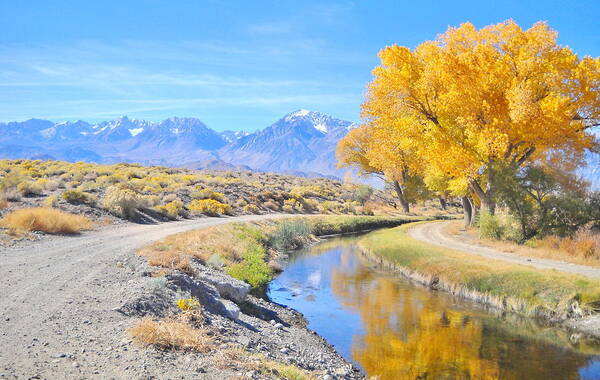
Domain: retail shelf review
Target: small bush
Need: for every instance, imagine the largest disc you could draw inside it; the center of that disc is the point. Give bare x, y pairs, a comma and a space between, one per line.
77, 197
209, 207
122, 202
171, 210
490, 226
11, 194
209, 194
187, 304
171, 334
328, 207
51, 185
51, 201
272, 205
251, 209
45, 219
30, 189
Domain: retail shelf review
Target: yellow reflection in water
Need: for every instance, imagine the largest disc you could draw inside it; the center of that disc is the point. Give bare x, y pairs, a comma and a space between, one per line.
412, 335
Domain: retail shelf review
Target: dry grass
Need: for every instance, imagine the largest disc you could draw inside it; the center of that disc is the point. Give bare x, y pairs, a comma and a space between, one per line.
3, 203
169, 260
45, 219
172, 333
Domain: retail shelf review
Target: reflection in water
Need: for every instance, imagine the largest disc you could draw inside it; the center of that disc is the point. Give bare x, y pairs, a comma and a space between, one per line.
395, 330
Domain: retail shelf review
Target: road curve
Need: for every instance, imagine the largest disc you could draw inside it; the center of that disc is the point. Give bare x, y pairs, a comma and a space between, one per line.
57, 299
433, 233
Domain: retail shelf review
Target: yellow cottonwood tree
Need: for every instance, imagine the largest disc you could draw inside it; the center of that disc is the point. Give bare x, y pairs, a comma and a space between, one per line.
372, 150
473, 99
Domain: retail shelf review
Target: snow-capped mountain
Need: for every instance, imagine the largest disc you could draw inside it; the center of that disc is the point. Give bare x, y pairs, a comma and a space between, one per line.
300, 141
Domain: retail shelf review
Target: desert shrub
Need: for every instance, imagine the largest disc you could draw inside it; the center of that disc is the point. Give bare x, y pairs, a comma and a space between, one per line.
288, 209
288, 234
51, 201
171, 210
11, 194
30, 189
150, 200
251, 209
272, 205
11, 180
328, 207
490, 226
72, 185
51, 185
45, 219
171, 334
77, 197
122, 202
209, 194
318, 191
209, 207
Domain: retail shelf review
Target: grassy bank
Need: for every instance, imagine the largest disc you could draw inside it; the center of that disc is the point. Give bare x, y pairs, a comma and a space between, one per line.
524, 290
248, 251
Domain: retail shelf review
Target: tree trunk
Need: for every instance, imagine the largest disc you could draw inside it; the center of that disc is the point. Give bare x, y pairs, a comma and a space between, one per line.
443, 203
468, 211
485, 197
401, 197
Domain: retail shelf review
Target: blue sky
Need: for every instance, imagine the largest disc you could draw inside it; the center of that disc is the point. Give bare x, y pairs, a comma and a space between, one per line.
233, 64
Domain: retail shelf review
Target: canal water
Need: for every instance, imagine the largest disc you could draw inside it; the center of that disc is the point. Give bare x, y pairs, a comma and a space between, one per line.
394, 329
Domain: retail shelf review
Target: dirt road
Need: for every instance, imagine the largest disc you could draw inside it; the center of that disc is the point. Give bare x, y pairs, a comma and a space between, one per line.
58, 297
433, 233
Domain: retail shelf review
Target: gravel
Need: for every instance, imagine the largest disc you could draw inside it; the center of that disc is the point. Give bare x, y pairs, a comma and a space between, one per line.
67, 303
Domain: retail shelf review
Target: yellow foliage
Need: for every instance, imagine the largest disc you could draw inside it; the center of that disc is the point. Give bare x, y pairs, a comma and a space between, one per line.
209, 207
188, 304
172, 209
475, 98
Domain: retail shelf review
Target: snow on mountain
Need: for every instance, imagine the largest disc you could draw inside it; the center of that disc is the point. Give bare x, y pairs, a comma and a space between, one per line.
302, 141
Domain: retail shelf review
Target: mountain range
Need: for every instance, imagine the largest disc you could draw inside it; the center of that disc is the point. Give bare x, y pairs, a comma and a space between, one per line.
302, 143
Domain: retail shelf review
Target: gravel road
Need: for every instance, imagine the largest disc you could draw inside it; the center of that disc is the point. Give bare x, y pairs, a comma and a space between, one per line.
433, 233
58, 299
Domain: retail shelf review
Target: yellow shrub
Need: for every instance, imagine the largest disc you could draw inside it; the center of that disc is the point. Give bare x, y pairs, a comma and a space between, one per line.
51, 201
171, 210
77, 197
187, 304
251, 209
209, 194
46, 220
209, 207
